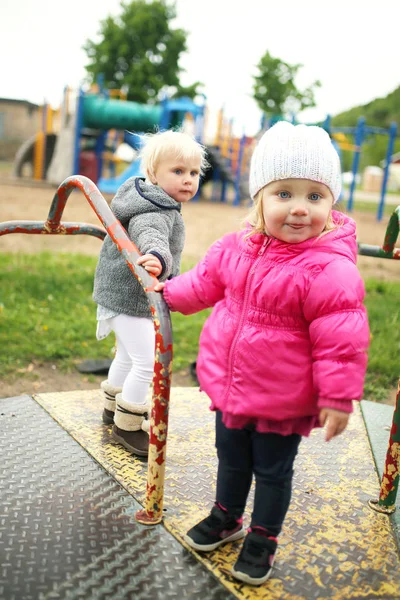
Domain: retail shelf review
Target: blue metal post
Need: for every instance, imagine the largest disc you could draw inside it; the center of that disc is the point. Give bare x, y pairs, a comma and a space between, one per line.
216, 184
165, 114
236, 200
359, 137
224, 186
327, 123
99, 149
392, 136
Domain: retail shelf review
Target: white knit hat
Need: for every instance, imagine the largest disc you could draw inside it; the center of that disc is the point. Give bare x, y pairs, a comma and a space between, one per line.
289, 151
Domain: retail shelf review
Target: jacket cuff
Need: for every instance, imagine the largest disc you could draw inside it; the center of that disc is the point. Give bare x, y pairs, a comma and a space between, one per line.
162, 261
342, 405
166, 296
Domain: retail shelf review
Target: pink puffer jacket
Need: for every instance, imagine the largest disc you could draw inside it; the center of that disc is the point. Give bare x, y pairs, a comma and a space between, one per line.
288, 334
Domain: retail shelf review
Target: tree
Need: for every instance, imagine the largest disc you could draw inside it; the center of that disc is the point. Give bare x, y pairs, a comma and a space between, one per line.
139, 51
275, 90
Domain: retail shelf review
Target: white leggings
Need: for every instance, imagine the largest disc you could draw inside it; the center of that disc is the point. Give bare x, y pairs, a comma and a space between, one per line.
133, 365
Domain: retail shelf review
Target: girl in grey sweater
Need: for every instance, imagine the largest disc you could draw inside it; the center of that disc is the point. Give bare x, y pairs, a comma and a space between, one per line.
150, 211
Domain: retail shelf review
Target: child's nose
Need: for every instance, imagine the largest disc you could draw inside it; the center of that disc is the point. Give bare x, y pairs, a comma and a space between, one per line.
299, 208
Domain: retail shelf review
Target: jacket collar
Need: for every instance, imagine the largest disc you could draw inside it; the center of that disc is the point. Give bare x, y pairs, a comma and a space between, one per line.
155, 195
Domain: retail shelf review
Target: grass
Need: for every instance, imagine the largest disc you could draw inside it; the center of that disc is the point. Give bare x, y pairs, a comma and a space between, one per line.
362, 206
382, 301
47, 315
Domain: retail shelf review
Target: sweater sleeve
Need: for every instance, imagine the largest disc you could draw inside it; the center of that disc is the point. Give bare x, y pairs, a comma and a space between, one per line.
150, 232
339, 335
199, 288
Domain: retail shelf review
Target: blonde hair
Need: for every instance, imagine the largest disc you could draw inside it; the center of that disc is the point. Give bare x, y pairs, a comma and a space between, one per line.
255, 218
164, 144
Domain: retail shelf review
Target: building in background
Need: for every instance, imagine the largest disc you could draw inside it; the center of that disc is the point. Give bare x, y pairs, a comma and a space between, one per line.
18, 122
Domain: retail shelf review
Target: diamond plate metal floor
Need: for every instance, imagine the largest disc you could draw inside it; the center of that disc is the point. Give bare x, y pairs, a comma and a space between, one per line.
67, 528
332, 546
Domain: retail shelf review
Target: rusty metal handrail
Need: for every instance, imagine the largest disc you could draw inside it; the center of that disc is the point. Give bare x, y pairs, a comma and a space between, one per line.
153, 510
43, 227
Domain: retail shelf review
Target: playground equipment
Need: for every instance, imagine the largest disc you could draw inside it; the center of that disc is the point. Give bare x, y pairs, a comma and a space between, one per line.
127, 562
90, 129
230, 158
359, 133
95, 123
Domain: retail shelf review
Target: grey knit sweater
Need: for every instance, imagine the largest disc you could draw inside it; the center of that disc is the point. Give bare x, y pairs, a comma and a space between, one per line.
154, 223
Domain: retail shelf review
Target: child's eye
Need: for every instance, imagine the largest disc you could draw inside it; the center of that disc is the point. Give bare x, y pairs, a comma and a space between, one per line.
315, 197
194, 173
284, 195
178, 171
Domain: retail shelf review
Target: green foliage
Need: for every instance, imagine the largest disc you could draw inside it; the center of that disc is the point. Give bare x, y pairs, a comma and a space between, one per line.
139, 51
275, 90
381, 112
47, 314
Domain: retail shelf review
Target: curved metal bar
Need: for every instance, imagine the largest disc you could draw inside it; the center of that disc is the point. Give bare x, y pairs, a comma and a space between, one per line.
41, 227
387, 250
153, 510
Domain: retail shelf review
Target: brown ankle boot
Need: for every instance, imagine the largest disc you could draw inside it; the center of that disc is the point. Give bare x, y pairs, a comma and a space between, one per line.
109, 393
127, 430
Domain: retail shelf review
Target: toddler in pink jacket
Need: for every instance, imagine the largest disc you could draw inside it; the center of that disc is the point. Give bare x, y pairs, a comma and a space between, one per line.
285, 347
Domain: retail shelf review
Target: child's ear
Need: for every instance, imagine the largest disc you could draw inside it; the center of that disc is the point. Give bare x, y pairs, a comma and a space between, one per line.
152, 178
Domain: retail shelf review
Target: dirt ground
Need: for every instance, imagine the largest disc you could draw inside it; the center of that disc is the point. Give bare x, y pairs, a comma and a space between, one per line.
205, 222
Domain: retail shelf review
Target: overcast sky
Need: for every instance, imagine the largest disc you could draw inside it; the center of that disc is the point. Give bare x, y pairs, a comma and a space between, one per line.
351, 46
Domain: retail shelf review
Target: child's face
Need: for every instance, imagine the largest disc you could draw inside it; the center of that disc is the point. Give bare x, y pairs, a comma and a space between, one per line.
296, 210
179, 178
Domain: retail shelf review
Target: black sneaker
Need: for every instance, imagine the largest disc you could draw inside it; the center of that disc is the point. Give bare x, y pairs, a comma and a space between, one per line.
216, 529
256, 558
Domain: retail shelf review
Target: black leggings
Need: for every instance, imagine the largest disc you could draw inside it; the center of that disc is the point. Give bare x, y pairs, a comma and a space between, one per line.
270, 456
